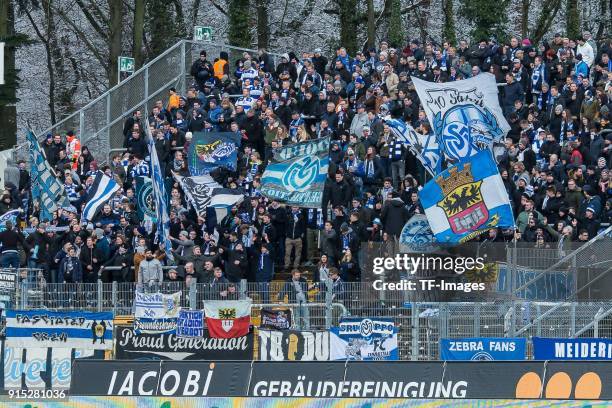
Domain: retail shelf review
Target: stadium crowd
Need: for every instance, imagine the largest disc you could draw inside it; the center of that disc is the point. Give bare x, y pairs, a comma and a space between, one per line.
555, 164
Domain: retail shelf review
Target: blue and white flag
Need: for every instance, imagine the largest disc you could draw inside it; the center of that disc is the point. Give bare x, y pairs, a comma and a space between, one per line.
100, 193
483, 349
416, 235
358, 338
572, 349
157, 305
156, 312
202, 192
211, 150
159, 194
46, 188
43, 328
465, 115
466, 200
424, 147
296, 174
9, 216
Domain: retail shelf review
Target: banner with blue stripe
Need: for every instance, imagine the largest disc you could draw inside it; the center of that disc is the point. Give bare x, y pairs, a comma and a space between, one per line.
43, 328
296, 174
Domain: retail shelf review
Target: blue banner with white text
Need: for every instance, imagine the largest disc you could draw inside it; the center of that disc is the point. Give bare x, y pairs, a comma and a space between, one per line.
483, 349
545, 348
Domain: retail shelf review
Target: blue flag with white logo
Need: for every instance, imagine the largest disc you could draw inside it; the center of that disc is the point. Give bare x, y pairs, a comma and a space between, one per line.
296, 174
159, 195
466, 200
211, 150
465, 115
46, 188
483, 349
9, 216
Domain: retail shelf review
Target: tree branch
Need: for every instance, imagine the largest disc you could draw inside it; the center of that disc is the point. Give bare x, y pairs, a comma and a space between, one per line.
91, 19
414, 6
218, 7
94, 50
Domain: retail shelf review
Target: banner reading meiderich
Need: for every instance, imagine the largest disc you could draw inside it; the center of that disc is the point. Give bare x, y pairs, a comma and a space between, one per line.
296, 174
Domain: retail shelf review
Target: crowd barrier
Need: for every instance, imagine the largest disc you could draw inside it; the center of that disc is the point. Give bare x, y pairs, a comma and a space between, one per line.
421, 325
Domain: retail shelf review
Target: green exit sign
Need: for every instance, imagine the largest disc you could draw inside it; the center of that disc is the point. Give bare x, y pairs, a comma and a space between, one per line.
201, 33
126, 64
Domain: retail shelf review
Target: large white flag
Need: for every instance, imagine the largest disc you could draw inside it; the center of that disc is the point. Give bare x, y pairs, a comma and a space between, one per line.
465, 115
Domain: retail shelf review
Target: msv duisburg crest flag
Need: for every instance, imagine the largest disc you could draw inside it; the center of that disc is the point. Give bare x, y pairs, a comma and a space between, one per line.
466, 200
296, 174
211, 150
465, 115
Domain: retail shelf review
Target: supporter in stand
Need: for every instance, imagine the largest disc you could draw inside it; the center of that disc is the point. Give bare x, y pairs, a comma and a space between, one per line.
555, 163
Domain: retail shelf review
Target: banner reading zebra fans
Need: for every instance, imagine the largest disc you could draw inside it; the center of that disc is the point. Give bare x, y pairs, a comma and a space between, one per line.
202, 192
296, 174
465, 115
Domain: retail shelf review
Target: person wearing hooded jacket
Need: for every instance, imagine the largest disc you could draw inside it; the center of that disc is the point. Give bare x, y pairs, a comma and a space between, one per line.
11, 172
287, 66
394, 215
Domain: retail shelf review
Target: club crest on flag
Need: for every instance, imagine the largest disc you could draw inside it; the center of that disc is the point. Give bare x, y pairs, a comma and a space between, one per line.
463, 203
466, 200
211, 150
97, 330
466, 130
172, 303
227, 317
416, 235
301, 173
215, 151
465, 115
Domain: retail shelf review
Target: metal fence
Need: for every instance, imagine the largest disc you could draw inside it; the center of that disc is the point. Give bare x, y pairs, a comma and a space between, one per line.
421, 325
99, 124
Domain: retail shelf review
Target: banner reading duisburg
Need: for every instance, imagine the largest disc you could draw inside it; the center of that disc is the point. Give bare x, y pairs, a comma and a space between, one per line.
296, 175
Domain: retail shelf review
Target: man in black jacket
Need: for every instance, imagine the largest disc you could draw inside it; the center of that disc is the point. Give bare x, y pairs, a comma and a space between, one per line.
201, 70
10, 240
294, 231
90, 260
337, 192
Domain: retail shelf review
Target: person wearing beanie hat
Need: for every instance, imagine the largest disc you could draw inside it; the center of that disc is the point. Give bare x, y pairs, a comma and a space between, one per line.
201, 70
